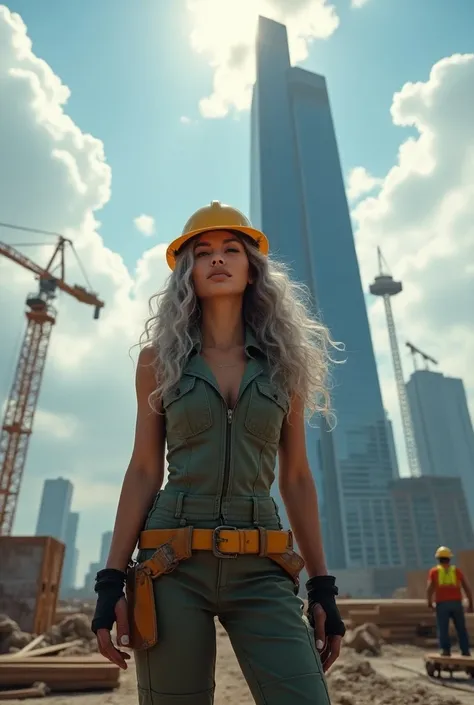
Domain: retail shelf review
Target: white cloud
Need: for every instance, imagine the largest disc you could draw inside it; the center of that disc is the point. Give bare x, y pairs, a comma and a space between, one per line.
360, 182
145, 224
358, 3
225, 30
185, 120
423, 219
56, 178
59, 427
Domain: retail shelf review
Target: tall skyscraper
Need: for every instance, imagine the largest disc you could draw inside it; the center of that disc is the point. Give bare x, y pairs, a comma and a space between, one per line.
430, 512
54, 509
105, 547
298, 198
69, 570
443, 428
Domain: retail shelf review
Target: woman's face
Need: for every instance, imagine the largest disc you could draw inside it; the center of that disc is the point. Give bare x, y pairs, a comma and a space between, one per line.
221, 266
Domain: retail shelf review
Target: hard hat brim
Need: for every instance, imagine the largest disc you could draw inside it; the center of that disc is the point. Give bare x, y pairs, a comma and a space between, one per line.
257, 236
444, 553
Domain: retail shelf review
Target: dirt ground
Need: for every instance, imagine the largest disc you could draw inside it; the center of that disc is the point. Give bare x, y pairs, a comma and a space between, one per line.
354, 680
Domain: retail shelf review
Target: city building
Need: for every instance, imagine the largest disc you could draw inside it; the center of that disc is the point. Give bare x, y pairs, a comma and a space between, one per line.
298, 199
370, 583
68, 581
54, 509
430, 512
89, 581
391, 447
443, 428
105, 547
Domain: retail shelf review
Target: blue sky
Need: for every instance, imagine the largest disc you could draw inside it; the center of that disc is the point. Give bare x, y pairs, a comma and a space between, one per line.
133, 74
136, 83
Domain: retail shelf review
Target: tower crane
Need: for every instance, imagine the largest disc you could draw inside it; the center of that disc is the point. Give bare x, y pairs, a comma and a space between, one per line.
416, 351
21, 405
386, 287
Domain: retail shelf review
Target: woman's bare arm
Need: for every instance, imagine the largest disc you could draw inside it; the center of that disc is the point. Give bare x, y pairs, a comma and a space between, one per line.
298, 491
145, 472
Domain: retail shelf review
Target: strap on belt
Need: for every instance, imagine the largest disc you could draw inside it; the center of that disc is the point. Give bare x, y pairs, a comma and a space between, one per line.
223, 541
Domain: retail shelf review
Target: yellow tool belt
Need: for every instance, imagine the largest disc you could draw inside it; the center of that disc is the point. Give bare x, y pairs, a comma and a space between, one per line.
171, 546
224, 542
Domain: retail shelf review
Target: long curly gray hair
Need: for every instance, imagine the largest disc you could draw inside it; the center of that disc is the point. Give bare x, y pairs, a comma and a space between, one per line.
276, 309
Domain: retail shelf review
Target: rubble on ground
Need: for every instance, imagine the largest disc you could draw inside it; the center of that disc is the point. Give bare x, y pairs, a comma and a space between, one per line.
73, 628
353, 681
366, 639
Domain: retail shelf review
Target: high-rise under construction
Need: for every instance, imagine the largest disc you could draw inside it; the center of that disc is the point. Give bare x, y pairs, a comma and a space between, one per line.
443, 429
298, 198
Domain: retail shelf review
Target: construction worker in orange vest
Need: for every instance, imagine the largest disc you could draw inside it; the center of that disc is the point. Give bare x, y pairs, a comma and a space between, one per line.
445, 584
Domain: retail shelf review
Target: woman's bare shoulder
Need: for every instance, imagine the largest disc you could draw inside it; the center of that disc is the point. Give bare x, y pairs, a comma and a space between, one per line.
146, 369
147, 356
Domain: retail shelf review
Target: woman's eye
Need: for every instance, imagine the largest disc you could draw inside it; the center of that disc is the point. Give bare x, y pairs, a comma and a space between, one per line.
232, 249
201, 254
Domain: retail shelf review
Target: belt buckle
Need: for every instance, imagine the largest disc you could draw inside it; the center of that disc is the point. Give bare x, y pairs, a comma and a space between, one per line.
216, 540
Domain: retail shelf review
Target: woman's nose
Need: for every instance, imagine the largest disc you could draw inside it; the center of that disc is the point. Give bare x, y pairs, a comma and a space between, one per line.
217, 259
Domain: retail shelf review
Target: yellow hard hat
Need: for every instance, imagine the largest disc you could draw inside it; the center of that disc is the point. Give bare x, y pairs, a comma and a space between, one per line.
443, 552
216, 216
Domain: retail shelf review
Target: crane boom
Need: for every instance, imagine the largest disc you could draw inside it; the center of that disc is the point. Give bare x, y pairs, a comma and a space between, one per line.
416, 351
21, 405
78, 292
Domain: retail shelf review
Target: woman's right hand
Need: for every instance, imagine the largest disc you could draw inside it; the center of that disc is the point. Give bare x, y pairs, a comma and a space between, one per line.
104, 640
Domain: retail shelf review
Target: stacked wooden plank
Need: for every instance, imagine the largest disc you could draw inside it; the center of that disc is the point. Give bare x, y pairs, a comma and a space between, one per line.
35, 664
67, 674
400, 621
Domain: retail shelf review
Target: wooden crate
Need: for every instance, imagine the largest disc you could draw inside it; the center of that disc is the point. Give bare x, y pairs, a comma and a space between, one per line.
30, 575
416, 584
466, 564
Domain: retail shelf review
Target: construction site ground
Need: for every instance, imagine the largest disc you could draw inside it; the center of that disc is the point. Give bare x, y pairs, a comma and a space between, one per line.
396, 677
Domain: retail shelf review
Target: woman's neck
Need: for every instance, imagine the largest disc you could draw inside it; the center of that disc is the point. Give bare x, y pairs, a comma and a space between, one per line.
221, 325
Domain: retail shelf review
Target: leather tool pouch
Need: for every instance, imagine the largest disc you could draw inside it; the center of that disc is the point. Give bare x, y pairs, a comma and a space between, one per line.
291, 562
139, 588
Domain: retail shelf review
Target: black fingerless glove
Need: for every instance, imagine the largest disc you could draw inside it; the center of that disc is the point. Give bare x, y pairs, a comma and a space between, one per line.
322, 591
109, 584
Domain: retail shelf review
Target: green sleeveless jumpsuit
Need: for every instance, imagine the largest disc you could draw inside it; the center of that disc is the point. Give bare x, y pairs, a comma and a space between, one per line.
221, 466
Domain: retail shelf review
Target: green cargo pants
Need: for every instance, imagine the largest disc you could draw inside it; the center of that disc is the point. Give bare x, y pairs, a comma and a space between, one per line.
255, 602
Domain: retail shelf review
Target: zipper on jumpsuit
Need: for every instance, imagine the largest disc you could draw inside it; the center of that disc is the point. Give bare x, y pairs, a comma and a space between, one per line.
230, 417
225, 484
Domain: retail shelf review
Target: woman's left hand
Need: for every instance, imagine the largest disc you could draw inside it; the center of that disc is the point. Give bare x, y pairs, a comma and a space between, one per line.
324, 617
329, 646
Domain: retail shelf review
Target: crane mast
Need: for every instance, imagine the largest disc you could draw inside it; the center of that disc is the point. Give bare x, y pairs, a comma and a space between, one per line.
23, 398
386, 287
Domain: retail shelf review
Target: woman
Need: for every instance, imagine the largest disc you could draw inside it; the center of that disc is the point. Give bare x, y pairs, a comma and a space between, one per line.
233, 361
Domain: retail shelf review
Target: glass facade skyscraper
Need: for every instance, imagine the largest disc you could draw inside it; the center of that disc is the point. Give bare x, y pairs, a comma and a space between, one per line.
443, 428
421, 507
54, 509
298, 198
